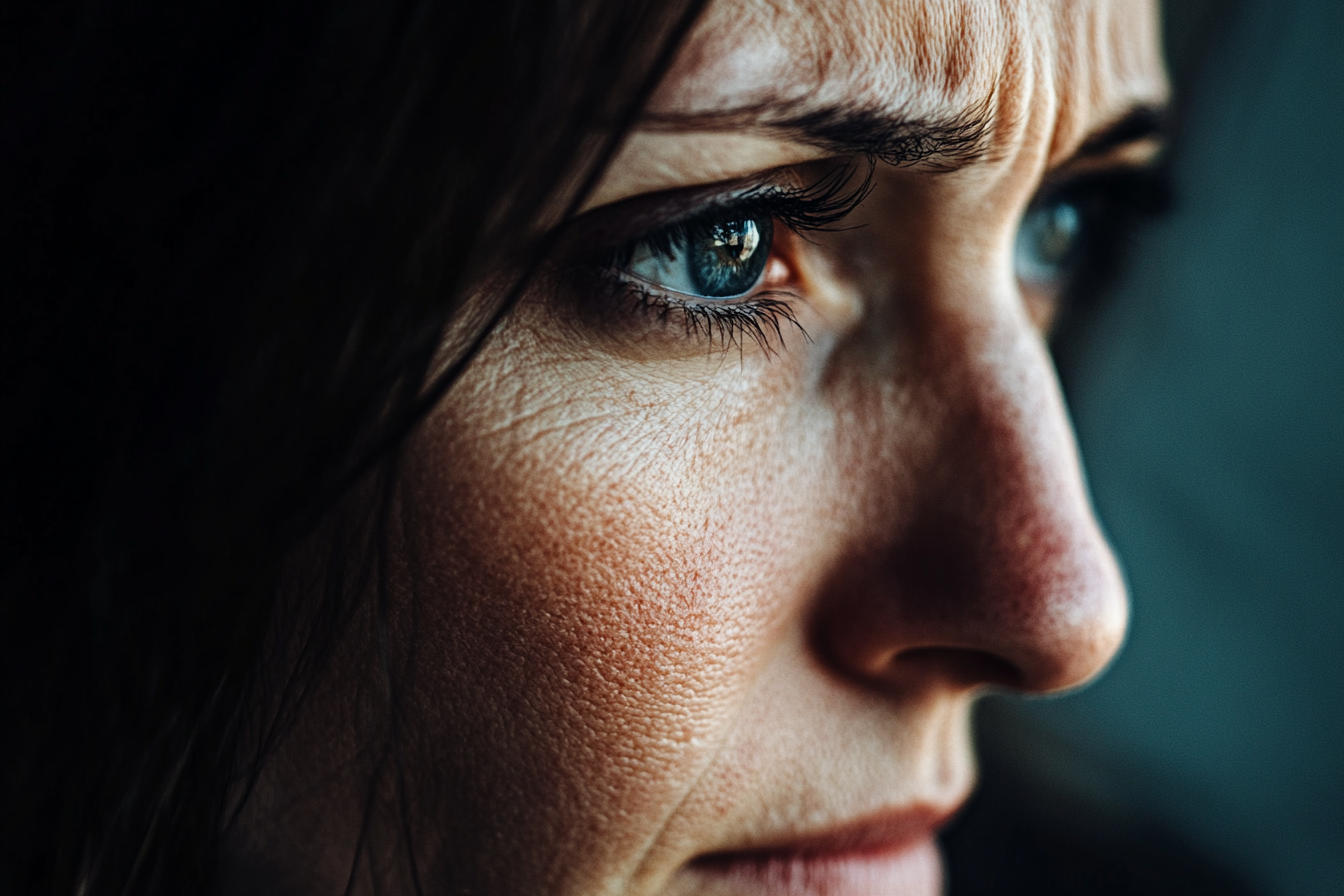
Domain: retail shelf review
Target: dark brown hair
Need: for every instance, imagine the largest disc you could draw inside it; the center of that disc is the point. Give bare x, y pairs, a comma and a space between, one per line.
233, 234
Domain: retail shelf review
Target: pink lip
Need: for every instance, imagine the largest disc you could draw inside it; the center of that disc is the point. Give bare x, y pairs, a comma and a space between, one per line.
891, 854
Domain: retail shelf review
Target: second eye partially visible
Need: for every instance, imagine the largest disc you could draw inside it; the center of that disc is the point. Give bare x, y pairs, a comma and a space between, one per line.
1073, 238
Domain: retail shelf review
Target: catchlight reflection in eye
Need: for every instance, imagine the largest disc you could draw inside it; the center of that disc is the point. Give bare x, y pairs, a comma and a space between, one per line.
1047, 240
719, 259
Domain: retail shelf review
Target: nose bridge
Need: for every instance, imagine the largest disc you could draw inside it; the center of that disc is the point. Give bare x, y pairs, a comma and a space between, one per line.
1003, 527
997, 553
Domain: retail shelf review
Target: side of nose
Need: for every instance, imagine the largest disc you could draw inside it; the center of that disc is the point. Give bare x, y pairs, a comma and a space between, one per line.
984, 562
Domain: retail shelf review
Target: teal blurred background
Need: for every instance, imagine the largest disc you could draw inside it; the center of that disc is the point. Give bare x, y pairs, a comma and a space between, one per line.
1208, 393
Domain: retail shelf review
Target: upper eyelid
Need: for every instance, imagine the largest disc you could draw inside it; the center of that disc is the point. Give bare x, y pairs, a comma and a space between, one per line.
630, 220
608, 228
1067, 178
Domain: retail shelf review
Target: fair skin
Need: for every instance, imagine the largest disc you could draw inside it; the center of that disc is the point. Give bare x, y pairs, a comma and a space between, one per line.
703, 618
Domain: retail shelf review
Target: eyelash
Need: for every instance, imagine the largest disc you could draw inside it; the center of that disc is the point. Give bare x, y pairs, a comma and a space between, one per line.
763, 317
760, 319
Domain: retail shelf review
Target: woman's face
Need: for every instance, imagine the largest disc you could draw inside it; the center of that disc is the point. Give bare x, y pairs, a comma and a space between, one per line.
700, 566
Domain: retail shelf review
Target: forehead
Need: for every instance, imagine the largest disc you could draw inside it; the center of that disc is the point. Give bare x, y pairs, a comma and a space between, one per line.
1077, 63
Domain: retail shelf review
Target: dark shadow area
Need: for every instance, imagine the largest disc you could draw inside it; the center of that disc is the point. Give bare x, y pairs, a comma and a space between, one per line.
1049, 820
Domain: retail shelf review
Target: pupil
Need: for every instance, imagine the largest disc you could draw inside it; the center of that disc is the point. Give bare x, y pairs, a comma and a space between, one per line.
728, 257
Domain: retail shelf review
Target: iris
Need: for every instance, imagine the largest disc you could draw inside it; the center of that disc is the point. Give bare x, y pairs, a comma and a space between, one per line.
715, 259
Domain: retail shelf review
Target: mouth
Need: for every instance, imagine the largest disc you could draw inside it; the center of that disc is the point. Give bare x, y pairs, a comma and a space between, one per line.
893, 854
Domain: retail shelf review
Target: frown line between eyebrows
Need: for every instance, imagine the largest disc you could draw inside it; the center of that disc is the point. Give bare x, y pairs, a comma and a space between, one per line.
943, 143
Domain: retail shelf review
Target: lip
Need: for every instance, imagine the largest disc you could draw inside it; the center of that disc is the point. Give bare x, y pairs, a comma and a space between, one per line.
892, 853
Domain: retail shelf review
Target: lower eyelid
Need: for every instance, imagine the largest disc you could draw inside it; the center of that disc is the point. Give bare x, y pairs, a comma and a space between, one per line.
762, 317
683, 297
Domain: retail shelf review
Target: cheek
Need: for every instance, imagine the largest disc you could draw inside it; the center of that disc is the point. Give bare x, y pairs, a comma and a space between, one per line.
595, 566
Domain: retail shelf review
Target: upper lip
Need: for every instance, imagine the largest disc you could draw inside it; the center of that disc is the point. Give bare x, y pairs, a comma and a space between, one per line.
884, 831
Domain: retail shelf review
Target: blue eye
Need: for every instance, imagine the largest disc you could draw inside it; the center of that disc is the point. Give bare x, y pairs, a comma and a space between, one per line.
717, 259
1047, 243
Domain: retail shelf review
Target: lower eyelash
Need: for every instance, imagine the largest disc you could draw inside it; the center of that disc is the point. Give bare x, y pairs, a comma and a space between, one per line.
761, 319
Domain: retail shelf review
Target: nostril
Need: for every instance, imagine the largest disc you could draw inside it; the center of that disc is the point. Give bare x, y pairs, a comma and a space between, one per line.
958, 666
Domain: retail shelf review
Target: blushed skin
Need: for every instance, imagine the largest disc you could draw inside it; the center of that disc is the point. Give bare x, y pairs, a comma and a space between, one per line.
671, 600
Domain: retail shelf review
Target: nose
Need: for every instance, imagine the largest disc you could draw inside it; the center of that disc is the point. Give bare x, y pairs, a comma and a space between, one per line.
981, 560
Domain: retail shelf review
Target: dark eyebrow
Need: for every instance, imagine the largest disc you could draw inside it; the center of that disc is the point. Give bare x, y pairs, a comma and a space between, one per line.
1139, 123
943, 143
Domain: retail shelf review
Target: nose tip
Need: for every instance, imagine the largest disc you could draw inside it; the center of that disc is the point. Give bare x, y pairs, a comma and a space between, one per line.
1040, 610
1044, 590
999, 572
1057, 610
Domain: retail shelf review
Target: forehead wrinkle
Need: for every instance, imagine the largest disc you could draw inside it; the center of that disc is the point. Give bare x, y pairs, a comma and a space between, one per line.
928, 61
1076, 65
951, 46
923, 61
1100, 69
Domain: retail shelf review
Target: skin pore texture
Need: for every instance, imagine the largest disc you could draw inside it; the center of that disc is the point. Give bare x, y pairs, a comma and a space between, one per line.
686, 614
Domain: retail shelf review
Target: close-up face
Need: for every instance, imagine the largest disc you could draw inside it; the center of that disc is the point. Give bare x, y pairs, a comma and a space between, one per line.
697, 570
